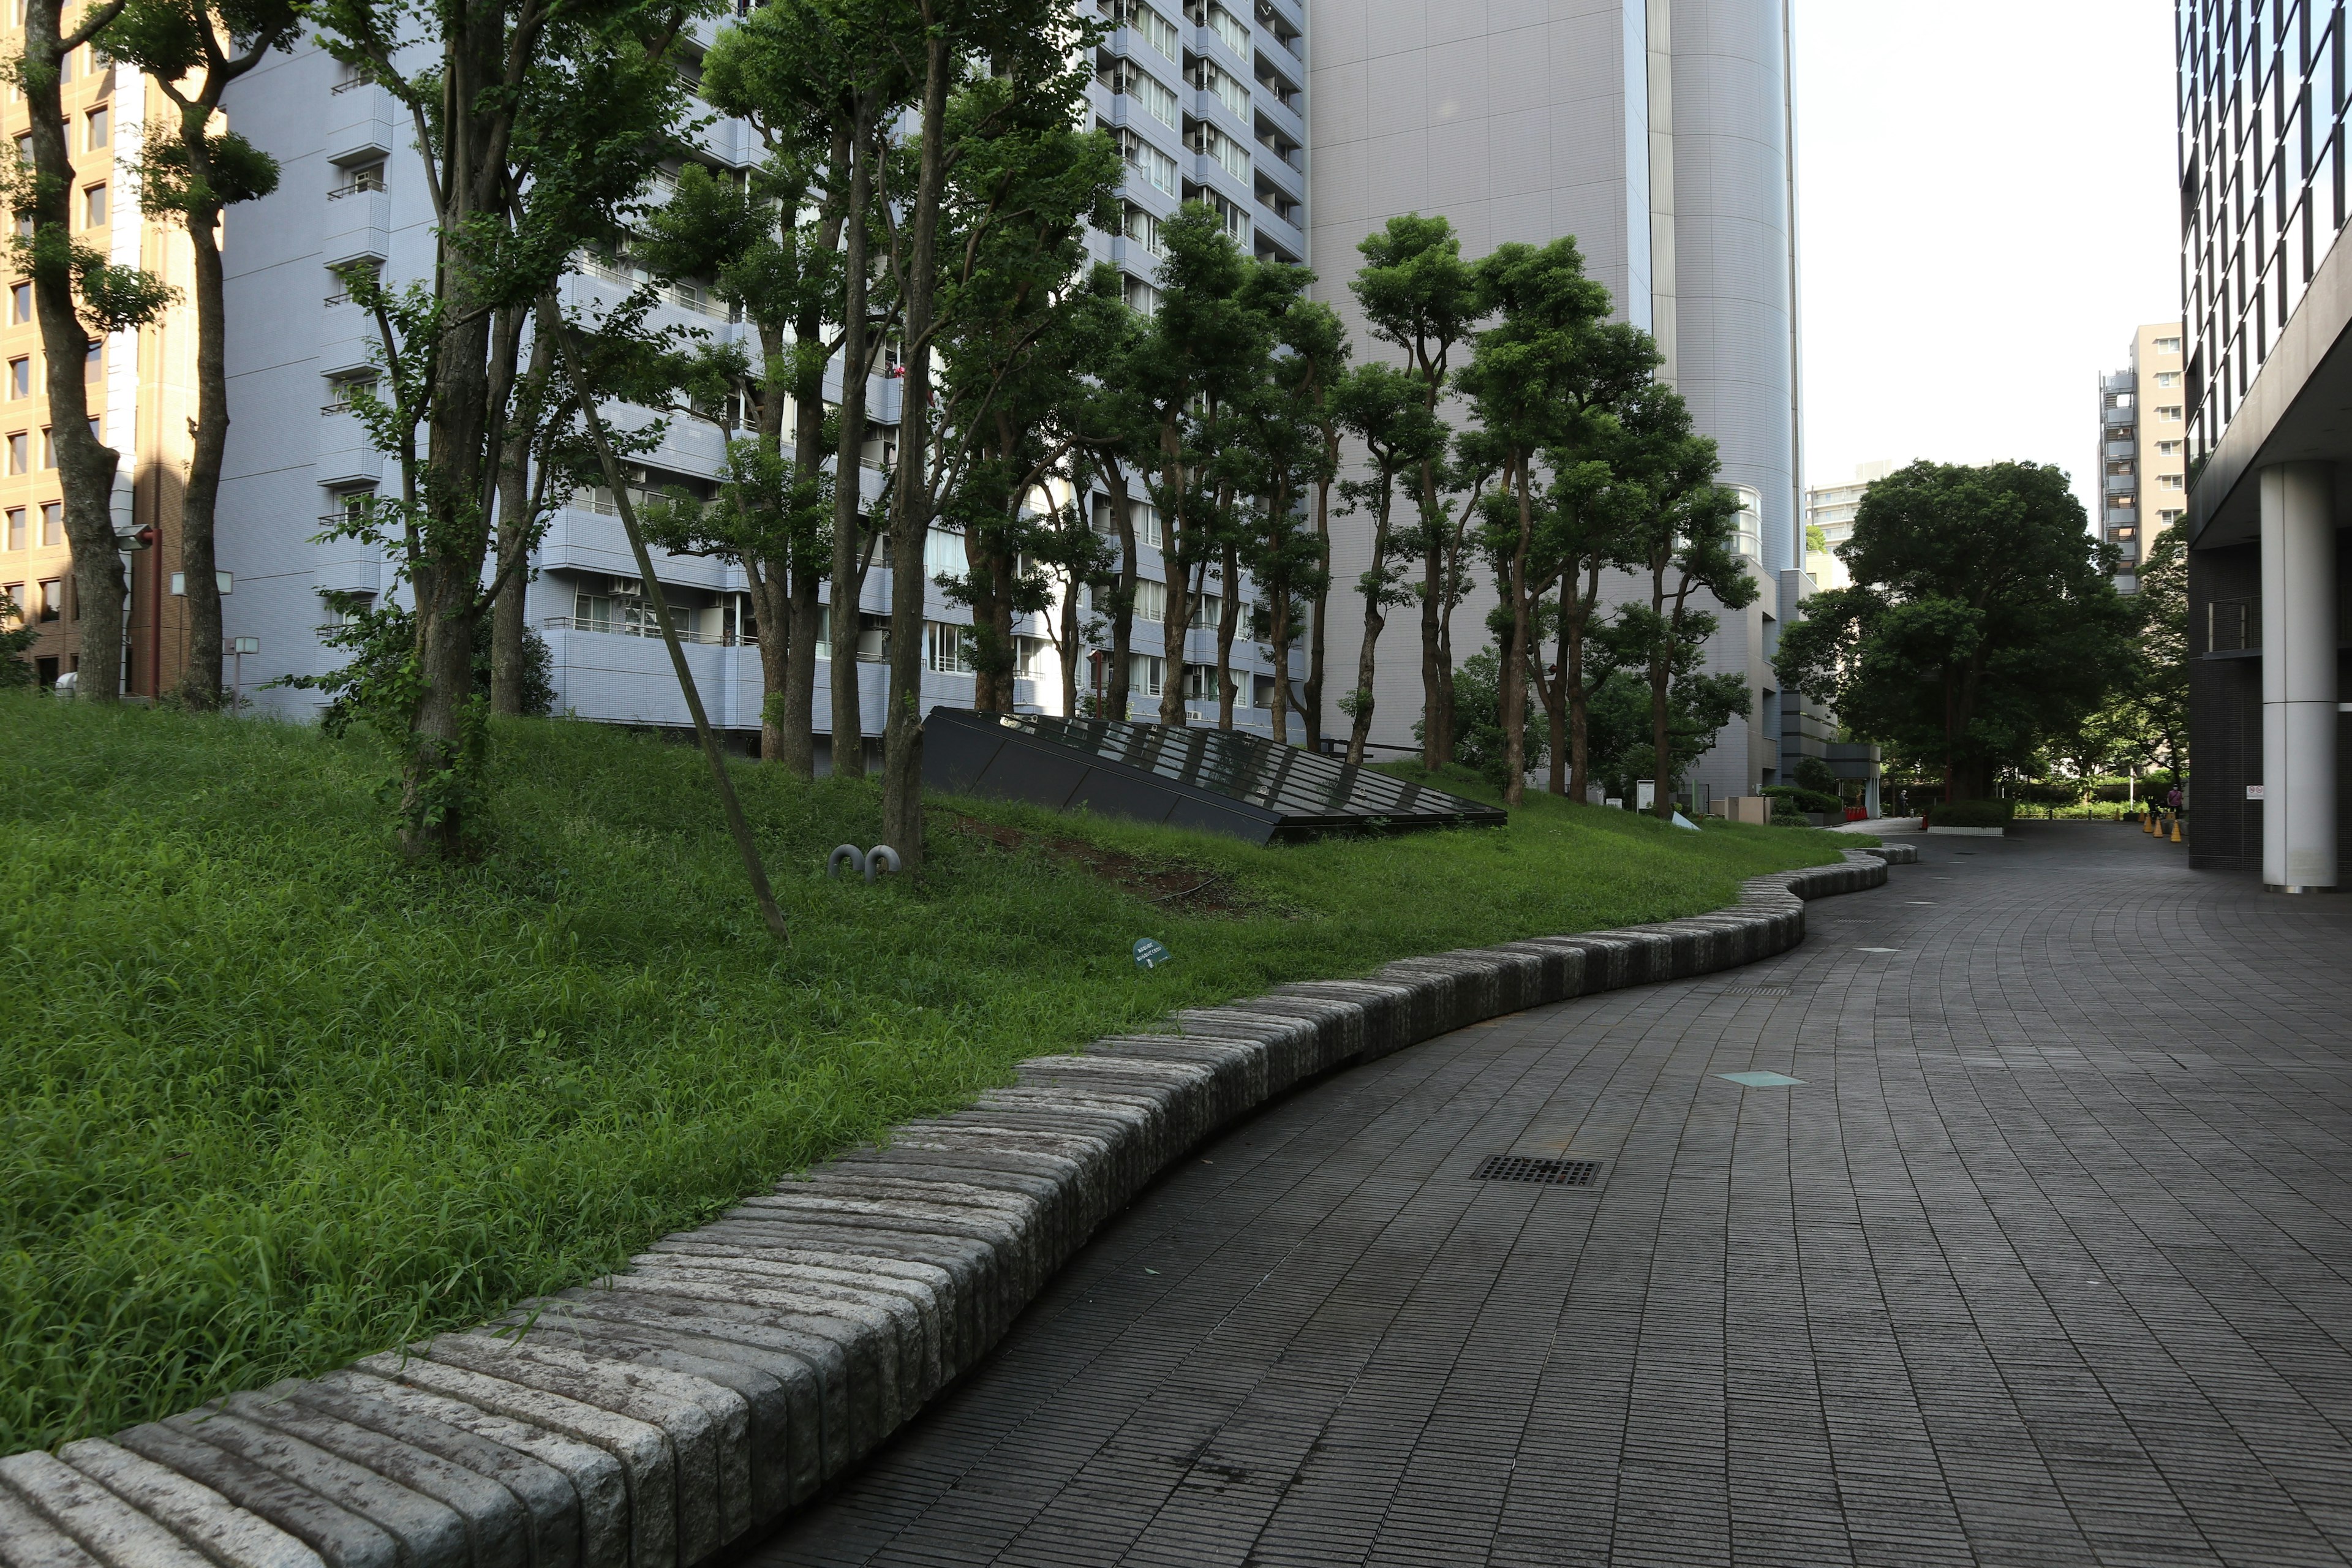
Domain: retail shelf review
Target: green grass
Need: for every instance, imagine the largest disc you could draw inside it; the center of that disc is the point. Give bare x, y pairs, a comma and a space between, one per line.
269, 1100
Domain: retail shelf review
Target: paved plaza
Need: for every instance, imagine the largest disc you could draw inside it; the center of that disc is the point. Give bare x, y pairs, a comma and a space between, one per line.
2044, 1259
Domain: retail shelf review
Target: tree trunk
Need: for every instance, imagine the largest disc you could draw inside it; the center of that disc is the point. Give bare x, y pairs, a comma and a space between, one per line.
1513, 689
508, 617
1575, 617
1317, 612
902, 732
1435, 749
1122, 611
849, 715
796, 727
1360, 723
86, 464
770, 588
1555, 700
1177, 620
1278, 612
1229, 618
200, 682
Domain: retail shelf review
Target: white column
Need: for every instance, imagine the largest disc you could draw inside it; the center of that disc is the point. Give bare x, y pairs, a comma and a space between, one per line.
2299, 678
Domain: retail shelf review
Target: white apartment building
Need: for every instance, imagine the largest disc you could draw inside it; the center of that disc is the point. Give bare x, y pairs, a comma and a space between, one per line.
1658, 134
1830, 511
1207, 101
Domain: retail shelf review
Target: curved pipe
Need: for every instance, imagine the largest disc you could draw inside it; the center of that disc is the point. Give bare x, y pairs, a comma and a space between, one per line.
849, 852
876, 859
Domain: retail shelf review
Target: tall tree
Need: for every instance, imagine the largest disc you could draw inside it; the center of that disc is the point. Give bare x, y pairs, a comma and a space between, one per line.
1384, 408
1318, 341
1022, 321
535, 127
1982, 621
772, 246
1683, 542
191, 173
1040, 62
1207, 339
1111, 427
1419, 297
78, 296
1283, 448
1536, 377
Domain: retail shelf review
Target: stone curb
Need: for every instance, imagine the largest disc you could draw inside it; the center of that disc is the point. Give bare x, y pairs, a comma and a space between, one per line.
659, 1415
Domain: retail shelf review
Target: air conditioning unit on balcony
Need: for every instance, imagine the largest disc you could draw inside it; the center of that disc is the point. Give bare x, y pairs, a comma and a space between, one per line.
627, 587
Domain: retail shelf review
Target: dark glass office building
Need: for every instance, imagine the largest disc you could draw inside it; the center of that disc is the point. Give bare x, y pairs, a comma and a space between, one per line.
2267, 406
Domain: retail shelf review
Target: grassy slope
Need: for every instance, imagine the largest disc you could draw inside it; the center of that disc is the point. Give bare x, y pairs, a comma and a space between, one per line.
268, 1099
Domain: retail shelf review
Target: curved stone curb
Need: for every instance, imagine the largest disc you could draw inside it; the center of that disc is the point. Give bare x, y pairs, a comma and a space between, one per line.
655, 1417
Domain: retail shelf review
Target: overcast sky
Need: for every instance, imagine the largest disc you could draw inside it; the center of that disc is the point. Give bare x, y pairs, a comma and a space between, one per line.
1985, 210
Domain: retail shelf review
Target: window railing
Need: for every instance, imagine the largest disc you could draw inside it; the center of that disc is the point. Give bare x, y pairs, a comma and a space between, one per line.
365, 180
646, 629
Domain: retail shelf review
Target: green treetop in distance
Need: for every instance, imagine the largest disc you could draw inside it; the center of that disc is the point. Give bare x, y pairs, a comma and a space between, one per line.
1982, 624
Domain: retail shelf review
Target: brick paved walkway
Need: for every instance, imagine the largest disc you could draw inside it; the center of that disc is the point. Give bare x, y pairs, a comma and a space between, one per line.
2045, 1261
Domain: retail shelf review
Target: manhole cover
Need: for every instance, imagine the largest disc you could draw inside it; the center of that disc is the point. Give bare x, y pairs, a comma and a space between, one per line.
1550, 1173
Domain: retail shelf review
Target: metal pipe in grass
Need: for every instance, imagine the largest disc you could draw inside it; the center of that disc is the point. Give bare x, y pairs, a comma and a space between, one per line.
550, 316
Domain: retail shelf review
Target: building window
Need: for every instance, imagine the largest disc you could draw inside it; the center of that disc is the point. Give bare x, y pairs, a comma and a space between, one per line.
25, 148
2167, 346
15, 594
20, 377
1032, 658
1156, 29
2168, 378
947, 648
93, 207
97, 130
15, 528
364, 177
2167, 481
944, 554
52, 523
20, 300
53, 601
1201, 682
1146, 672
2165, 519
19, 454
2170, 412
48, 451
93, 360
2168, 449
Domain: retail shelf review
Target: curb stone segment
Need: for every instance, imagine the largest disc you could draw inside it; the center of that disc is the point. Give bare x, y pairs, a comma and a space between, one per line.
655, 1417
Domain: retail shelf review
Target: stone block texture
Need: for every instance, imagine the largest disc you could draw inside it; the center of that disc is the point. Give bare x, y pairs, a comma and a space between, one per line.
657, 1417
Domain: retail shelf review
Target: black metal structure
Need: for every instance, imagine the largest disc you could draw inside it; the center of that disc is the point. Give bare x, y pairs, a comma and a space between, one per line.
1213, 781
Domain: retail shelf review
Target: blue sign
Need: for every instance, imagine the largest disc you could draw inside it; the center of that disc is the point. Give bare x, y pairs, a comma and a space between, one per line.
1150, 955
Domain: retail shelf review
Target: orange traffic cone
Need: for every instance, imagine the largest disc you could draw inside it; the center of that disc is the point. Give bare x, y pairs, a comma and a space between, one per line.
2147, 824
2176, 830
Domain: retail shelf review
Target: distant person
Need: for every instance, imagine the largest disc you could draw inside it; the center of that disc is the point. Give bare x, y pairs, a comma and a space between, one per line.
2174, 799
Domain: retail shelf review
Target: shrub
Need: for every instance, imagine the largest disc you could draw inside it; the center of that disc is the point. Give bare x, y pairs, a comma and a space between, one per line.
1816, 774
1790, 820
1792, 798
1970, 813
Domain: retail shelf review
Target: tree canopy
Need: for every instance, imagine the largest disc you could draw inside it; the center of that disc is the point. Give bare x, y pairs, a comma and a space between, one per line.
1982, 622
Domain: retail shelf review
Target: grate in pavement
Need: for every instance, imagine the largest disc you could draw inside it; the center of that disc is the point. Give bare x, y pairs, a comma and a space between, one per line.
1750, 991
1551, 1172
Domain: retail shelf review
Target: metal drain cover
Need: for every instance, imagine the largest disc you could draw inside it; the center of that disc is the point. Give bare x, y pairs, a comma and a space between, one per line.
1550, 1173
1749, 990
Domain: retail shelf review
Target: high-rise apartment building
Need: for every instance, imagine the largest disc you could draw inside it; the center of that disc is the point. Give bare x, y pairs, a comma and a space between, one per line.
1657, 133
1562, 121
2268, 297
1206, 102
1830, 511
141, 391
2143, 464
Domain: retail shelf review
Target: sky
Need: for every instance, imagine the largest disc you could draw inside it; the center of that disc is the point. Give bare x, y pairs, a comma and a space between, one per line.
1986, 209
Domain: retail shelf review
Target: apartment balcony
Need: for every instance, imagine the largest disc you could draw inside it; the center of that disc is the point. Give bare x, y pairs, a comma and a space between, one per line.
2124, 449
2120, 516
628, 680
588, 539
359, 122
358, 225
1290, 122
2122, 484
345, 457
1280, 173
347, 337
2111, 417
1286, 236
1287, 55
2118, 381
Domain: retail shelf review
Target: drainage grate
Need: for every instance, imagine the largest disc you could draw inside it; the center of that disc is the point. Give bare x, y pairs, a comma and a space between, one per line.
1750, 991
1551, 1172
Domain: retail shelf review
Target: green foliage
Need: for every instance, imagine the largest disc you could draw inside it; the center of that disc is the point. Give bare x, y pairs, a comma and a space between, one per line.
382, 641
1478, 738
1982, 624
1971, 813
15, 646
273, 1098
1804, 799
1816, 774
